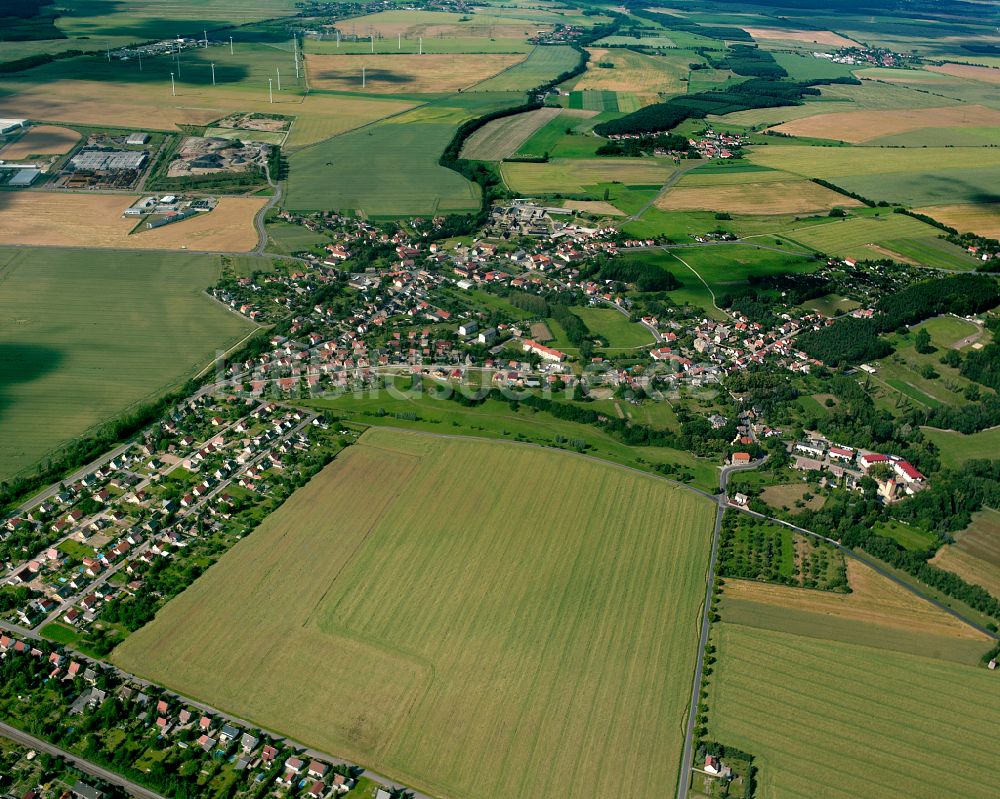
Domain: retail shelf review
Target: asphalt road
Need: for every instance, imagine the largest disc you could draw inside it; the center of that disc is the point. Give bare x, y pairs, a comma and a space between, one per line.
687, 755
85, 766
258, 220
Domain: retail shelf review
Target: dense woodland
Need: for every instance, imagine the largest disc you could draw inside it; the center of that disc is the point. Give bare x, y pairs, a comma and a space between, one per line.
852, 340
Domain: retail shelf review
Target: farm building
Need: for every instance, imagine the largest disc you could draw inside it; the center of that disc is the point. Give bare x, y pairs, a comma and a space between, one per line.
135, 139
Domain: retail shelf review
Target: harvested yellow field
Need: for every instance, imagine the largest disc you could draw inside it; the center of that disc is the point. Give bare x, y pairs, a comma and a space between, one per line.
632, 72
975, 555
980, 218
594, 207
391, 73
874, 600
819, 37
98, 103
317, 117
41, 140
95, 220
860, 126
986, 74
764, 199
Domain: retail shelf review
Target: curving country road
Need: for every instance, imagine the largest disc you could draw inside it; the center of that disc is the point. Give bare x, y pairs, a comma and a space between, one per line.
85, 766
258, 219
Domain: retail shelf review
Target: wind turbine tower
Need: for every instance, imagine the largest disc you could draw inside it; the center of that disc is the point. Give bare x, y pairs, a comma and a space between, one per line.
173, 88
270, 94
213, 73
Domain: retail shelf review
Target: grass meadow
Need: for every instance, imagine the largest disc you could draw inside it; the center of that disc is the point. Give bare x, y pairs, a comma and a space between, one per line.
896, 236
835, 719
493, 419
83, 337
390, 169
491, 620
616, 328
542, 64
573, 176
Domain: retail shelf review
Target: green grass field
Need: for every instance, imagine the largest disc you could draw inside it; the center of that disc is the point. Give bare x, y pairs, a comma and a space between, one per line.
956, 448
142, 21
832, 719
83, 338
390, 169
474, 627
573, 176
616, 328
838, 236
909, 537
915, 176
542, 64
494, 419
553, 139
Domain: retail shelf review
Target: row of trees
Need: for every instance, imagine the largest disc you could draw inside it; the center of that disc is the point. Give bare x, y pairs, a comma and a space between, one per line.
754, 93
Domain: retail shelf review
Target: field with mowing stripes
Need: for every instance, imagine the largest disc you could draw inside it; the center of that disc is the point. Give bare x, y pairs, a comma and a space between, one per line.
975, 555
501, 138
83, 337
840, 721
477, 638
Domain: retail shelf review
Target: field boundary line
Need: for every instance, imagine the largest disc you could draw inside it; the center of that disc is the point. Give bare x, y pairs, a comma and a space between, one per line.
866, 560
595, 458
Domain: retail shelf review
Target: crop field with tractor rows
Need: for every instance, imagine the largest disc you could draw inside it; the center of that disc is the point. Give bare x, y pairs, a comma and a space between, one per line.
841, 720
551, 654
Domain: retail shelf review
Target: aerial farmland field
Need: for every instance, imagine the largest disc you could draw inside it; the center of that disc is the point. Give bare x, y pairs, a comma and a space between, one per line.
876, 236
773, 197
478, 636
862, 126
834, 719
542, 64
573, 175
80, 220
975, 555
82, 338
405, 73
501, 138
634, 72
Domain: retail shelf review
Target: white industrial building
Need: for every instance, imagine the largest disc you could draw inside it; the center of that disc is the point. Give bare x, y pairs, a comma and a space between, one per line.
12, 125
108, 160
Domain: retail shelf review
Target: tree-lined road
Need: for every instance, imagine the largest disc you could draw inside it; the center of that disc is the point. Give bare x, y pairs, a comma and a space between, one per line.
85, 766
